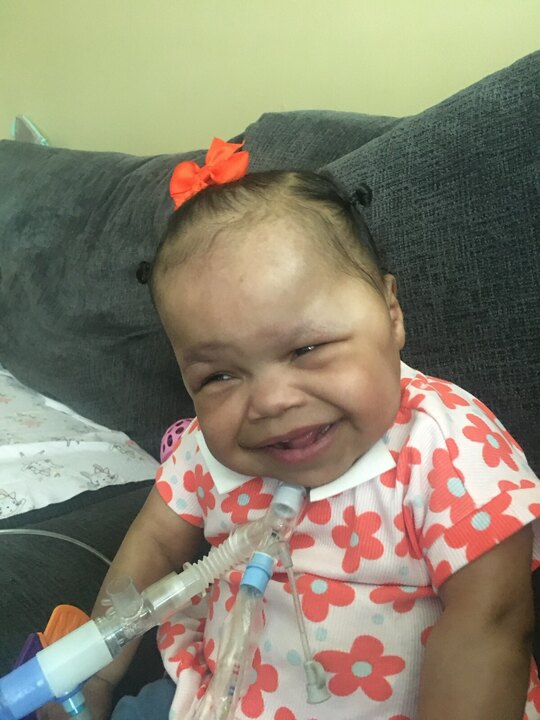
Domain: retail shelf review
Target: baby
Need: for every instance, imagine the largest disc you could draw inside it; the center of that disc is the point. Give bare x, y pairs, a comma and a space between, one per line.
413, 558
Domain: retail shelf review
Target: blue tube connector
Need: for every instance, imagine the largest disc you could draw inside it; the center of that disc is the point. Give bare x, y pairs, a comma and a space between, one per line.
23, 690
258, 572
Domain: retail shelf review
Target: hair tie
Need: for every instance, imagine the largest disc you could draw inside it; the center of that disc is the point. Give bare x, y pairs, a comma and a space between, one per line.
363, 195
223, 165
143, 272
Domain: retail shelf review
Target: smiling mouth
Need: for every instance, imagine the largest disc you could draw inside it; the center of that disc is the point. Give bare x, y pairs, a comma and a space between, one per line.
302, 445
303, 439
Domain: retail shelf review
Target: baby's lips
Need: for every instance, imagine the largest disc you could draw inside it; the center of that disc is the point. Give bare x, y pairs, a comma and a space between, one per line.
301, 439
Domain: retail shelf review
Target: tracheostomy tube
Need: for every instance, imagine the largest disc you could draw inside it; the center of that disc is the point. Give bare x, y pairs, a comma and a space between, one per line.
132, 614
58, 670
239, 641
242, 631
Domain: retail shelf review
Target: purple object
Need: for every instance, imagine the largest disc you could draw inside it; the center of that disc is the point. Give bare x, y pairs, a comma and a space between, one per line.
32, 645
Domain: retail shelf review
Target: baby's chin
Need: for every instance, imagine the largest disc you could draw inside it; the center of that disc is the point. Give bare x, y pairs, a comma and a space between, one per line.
309, 478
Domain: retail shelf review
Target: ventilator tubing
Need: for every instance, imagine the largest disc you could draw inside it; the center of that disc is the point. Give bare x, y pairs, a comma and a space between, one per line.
238, 642
60, 669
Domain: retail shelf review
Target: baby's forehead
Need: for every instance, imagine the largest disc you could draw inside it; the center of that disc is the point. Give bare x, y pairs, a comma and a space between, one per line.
269, 233
269, 252
262, 229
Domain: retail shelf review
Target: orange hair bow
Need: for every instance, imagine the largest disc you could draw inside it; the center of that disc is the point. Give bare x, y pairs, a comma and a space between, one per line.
223, 165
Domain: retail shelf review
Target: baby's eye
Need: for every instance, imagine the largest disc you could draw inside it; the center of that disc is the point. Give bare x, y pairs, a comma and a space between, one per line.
304, 350
216, 377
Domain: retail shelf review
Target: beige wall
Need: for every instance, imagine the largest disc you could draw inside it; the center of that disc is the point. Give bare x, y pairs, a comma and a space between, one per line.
147, 76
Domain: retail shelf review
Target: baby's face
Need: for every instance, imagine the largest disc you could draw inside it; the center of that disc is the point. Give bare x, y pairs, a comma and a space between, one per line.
293, 365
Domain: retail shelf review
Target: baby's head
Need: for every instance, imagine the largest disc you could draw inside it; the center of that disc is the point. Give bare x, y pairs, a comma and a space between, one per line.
286, 331
336, 227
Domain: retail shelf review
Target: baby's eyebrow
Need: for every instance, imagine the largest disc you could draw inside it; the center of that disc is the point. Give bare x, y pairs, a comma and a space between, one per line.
204, 352
301, 332
297, 334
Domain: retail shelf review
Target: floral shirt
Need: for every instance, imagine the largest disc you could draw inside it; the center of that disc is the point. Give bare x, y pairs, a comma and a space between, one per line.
444, 485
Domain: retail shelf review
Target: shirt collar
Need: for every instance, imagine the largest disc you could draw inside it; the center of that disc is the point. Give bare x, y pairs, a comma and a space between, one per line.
373, 463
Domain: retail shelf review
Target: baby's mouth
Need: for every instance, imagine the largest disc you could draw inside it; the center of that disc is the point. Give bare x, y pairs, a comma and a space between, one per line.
301, 439
302, 446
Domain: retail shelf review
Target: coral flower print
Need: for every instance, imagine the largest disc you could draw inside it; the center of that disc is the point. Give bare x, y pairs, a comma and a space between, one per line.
388, 478
234, 585
319, 594
364, 667
409, 403
194, 426
216, 540
408, 545
444, 389
200, 482
495, 448
447, 482
484, 528
356, 537
301, 541
402, 597
424, 635
164, 489
319, 512
190, 657
211, 668
534, 688
284, 713
402, 472
267, 681
209, 648
508, 485
440, 573
245, 498
504, 432
167, 634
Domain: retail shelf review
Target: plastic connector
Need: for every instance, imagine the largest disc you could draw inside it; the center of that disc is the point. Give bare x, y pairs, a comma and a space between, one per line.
24, 689
258, 572
288, 500
75, 706
317, 692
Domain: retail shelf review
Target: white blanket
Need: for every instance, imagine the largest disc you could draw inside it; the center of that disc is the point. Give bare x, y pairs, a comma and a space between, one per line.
48, 453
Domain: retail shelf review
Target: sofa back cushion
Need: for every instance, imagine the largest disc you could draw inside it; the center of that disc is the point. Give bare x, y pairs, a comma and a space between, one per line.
75, 323
455, 210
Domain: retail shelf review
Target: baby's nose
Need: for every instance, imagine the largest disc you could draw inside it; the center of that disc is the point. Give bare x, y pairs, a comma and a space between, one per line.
272, 394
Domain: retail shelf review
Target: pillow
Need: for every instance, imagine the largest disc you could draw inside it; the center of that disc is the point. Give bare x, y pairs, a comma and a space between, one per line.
307, 139
455, 209
49, 454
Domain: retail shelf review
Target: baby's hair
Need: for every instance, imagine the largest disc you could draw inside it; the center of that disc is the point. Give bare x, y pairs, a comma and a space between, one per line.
312, 201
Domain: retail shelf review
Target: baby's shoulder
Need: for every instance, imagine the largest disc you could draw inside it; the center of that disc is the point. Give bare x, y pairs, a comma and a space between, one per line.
432, 406
439, 420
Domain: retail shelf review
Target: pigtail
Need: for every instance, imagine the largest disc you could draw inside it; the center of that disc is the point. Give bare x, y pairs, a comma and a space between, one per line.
143, 272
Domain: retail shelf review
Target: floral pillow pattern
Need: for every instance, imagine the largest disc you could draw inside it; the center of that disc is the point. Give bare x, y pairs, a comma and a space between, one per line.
49, 454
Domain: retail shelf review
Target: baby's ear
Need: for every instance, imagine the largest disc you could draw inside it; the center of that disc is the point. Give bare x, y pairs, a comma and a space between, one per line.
394, 308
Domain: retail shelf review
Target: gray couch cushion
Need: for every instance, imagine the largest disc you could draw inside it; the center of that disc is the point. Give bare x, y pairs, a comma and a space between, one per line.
74, 322
308, 139
456, 210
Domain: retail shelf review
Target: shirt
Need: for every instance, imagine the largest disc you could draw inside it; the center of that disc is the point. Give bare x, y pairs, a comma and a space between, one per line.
444, 485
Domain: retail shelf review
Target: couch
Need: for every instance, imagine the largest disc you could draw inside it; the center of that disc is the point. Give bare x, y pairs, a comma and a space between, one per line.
454, 212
